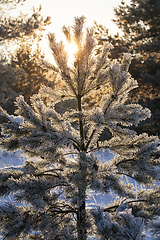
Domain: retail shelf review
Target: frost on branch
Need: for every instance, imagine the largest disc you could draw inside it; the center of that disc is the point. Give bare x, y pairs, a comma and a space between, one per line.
63, 131
128, 226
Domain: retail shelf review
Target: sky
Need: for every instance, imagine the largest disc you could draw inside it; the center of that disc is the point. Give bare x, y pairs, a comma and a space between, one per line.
62, 12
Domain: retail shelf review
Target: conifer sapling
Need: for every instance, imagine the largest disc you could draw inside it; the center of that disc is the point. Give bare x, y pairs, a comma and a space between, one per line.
62, 145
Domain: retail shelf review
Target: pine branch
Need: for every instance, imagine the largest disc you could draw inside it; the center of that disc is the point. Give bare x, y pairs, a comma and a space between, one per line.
115, 207
76, 144
125, 161
58, 211
122, 173
89, 141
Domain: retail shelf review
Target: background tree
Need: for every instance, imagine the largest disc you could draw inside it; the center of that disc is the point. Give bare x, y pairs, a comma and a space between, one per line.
140, 23
25, 73
34, 70
52, 186
20, 33
14, 28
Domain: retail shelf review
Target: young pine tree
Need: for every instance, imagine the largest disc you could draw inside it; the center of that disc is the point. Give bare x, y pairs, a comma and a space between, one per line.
50, 190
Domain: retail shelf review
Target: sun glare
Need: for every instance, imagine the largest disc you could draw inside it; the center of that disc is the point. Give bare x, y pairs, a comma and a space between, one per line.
71, 49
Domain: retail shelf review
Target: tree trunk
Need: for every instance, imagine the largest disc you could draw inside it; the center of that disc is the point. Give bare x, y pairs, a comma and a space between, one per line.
81, 215
81, 222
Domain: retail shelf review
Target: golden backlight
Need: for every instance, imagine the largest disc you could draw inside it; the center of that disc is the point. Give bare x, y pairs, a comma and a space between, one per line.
71, 49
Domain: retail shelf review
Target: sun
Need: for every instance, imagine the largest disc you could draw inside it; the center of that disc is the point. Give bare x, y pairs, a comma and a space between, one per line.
71, 49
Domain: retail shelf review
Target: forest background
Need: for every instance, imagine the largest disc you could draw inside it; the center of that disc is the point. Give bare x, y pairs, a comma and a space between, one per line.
24, 45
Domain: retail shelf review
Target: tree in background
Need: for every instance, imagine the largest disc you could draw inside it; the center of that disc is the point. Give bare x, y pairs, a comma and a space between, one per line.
34, 70
140, 23
14, 28
21, 70
63, 165
26, 72
12, 3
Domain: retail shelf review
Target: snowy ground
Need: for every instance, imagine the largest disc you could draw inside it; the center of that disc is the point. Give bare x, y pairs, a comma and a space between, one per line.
94, 199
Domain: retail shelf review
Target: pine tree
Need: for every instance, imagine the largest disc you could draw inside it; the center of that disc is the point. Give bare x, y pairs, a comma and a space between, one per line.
17, 66
23, 75
31, 74
139, 22
14, 28
50, 190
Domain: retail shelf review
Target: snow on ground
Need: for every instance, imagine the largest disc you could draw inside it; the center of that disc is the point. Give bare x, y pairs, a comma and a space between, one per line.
15, 159
8, 159
97, 199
